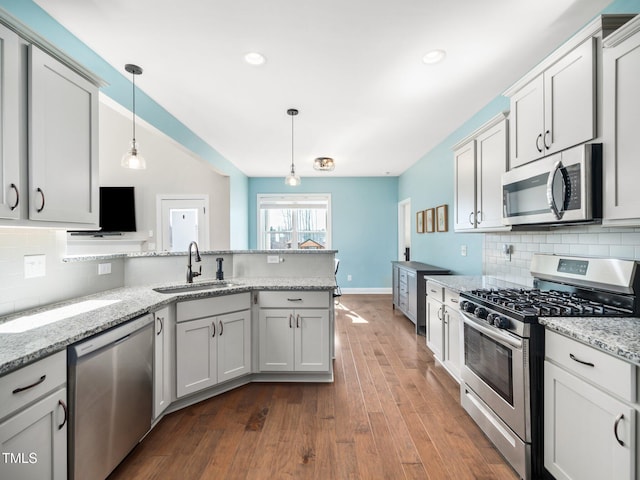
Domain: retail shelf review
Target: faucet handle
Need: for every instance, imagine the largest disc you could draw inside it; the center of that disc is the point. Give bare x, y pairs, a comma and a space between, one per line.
198, 273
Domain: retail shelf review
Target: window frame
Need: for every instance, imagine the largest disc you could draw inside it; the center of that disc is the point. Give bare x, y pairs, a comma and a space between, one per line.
291, 201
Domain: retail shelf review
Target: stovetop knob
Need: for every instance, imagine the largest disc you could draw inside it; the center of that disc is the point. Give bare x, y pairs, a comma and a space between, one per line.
501, 322
467, 306
481, 312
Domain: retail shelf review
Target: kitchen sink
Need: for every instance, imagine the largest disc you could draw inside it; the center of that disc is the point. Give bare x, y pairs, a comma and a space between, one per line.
193, 287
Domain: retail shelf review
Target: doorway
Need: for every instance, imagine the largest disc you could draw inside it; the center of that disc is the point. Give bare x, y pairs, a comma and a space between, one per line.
404, 230
182, 219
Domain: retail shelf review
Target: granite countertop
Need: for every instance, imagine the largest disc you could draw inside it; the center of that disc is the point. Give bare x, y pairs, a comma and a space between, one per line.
618, 336
113, 307
461, 283
421, 267
153, 254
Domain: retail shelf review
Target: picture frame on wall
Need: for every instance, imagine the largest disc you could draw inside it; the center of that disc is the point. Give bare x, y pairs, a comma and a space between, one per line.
420, 221
429, 220
441, 218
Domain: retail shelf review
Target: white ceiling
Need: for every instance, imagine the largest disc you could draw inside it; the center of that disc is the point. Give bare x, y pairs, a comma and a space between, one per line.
352, 67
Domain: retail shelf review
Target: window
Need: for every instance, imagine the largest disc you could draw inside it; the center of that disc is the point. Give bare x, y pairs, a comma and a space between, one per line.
294, 221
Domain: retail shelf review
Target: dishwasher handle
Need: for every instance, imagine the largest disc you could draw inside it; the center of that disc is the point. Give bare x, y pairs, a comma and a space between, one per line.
107, 338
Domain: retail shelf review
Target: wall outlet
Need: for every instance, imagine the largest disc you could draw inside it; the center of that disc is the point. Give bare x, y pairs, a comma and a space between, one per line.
150, 233
463, 250
349, 278
35, 266
273, 259
104, 268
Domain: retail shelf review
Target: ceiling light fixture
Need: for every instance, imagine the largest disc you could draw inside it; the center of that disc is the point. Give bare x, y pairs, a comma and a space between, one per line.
434, 56
254, 58
131, 159
325, 164
292, 179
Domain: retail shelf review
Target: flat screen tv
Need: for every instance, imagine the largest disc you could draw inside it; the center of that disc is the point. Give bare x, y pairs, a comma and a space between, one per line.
117, 209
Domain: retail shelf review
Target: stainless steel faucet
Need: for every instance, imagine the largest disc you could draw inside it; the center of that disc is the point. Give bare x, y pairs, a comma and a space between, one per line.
190, 273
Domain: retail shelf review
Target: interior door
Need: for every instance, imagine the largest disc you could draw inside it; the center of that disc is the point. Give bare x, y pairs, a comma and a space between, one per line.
181, 220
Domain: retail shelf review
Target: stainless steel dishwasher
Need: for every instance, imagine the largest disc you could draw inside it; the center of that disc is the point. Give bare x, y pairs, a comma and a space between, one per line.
110, 397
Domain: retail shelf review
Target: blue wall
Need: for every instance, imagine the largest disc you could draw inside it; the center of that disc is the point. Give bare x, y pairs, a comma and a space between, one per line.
364, 216
119, 89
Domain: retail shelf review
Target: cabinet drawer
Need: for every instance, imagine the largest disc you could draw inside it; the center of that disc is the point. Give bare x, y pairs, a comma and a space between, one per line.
36, 379
604, 371
293, 299
403, 275
207, 307
435, 291
452, 298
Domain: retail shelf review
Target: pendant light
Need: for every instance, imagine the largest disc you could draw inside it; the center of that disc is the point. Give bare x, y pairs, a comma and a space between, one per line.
292, 179
325, 164
132, 159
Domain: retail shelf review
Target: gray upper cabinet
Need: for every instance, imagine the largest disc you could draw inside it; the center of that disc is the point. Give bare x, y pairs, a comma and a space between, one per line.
556, 109
63, 151
9, 114
621, 115
554, 106
479, 161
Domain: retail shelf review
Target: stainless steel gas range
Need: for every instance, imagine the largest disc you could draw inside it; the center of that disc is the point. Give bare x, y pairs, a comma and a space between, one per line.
502, 372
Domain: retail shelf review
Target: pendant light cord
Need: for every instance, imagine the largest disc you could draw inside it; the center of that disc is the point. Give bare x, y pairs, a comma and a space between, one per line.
134, 108
292, 166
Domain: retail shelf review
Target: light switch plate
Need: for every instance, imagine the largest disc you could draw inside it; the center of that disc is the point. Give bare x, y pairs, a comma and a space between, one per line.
104, 268
273, 259
35, 266
463, 250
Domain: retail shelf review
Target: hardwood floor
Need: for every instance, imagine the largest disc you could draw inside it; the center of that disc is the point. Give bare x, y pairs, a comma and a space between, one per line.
391, 413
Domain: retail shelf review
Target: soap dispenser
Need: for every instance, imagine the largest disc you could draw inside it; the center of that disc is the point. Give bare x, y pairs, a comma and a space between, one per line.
219, 272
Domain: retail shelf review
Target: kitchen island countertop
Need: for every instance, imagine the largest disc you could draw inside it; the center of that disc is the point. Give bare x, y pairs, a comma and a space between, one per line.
20, 346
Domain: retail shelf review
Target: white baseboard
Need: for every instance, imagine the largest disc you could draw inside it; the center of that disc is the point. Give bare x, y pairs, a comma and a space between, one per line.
366, 291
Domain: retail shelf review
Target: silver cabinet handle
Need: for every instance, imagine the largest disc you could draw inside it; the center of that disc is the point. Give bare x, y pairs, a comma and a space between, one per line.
13, 207
294, 299
619, 418
454, 300
479, 217
290, 320
576, 359
433, 291
39, 190
470, 221
221, 327
298, 321
538, 147
213, 324
439, 311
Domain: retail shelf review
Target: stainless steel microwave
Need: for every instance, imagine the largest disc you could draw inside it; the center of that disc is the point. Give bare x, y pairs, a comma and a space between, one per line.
562, 188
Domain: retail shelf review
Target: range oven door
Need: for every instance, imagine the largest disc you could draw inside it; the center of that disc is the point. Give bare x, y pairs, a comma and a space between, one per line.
496, 369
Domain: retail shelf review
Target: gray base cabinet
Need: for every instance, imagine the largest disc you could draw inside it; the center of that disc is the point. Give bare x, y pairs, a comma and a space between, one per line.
34, 421
409, 290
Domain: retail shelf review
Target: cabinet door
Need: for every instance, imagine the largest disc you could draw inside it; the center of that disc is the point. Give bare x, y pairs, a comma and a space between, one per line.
412, 296
311, 340
234, 345
9, 124
196, 358
396, 285
63, 149
580, 430
434, 327
491, 163
465, 186
452, 341
34, 442
621, 117
527, 123
162, 361
276, 339
569, 90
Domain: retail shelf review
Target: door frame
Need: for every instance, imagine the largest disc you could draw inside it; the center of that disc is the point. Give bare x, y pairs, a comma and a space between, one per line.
205, 230
404, 217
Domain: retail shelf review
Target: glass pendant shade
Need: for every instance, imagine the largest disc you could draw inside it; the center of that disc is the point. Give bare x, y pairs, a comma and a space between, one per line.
292, 179
132, 159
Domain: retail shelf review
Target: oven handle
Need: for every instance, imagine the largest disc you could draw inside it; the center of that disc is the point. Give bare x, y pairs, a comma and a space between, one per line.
504, 340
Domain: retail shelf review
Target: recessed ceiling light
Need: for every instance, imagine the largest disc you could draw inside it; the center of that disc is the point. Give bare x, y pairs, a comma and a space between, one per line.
254, 58
434, 56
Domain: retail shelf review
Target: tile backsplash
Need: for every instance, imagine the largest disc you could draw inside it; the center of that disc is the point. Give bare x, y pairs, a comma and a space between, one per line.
588, 241
61, 280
